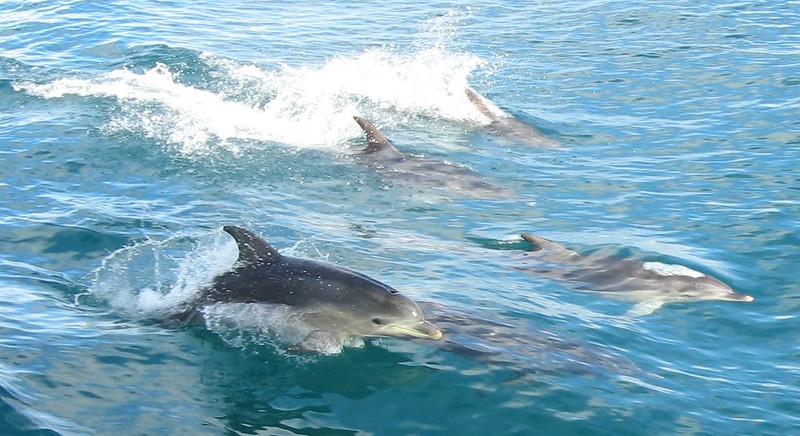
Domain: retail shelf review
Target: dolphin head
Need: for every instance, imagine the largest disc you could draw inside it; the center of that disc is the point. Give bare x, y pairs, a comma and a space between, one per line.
691, 285
383, 311
405, 318
708, 288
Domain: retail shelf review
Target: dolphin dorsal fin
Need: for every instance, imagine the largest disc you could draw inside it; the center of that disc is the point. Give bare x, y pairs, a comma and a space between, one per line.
478, 102
252, 249
377, 140
540, 243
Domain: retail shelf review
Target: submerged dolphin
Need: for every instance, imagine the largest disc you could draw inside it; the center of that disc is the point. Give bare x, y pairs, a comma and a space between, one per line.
514, 343
648, 284
381, 154
506, 125
334, 302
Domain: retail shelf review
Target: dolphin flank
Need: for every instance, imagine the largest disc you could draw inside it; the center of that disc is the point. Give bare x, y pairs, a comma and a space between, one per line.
648, 284
334, 302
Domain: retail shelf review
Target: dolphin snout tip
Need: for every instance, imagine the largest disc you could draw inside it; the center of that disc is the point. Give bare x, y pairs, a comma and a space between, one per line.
429, 330
741, 297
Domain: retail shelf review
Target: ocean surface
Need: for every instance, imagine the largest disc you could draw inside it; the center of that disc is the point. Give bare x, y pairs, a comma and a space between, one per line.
132, 131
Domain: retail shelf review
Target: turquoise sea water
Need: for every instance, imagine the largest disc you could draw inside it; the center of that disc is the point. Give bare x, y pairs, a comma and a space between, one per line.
132, 131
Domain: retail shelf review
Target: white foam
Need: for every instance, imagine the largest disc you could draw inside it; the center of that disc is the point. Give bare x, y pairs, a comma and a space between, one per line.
430, 82
157, 106
665, 269
309, 107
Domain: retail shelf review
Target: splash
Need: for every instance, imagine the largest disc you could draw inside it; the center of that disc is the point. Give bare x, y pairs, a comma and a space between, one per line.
428, 83
155, 279
248, 106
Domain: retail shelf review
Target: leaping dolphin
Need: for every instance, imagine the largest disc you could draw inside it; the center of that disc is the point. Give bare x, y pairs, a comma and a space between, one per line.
335, 302
506, 125
382, 155
648, 284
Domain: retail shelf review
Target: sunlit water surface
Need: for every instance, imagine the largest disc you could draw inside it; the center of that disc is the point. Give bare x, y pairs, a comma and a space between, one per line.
132, 132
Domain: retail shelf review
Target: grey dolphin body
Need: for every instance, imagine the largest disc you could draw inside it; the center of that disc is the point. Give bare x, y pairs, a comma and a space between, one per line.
648, 284
331, 300
382, 155
506, 125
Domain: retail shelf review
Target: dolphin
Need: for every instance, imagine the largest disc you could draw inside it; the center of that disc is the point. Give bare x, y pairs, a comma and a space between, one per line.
516, 344
647, 284
382, 155
506, 125
334, 302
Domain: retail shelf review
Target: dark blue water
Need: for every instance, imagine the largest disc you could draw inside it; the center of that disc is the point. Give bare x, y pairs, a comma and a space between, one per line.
131, 132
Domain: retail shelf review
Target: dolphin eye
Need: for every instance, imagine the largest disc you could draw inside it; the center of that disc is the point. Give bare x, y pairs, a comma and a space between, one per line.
377, 321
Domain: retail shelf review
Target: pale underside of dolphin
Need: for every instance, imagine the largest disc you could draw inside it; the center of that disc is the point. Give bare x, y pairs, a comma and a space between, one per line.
332, 303
505, 125
647, 284
382, 155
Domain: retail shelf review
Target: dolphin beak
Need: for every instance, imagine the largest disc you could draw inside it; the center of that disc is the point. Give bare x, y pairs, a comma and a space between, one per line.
429, 330
736, 296
423, 329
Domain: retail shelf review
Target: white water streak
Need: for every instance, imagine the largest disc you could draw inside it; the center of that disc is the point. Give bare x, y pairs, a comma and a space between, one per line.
304, 107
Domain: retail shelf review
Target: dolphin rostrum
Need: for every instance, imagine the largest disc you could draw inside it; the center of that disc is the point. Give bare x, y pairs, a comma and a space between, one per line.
506, 125
382, 155
648, 284
335, 303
